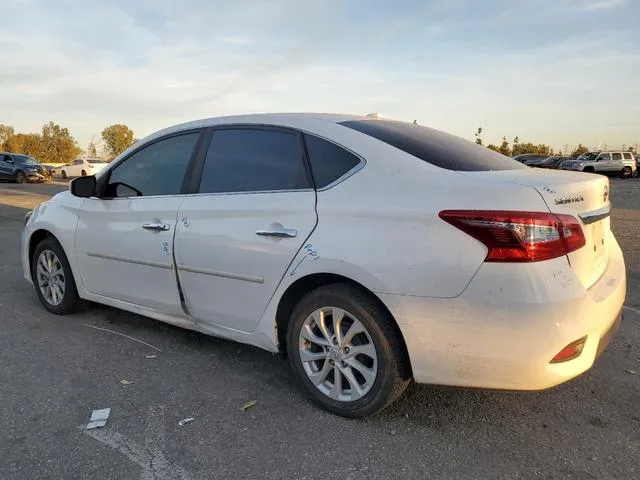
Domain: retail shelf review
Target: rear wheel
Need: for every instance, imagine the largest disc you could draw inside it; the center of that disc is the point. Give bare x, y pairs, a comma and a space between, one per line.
20, 177
53, 279
589, 170
345, 351
63, 174
626, 172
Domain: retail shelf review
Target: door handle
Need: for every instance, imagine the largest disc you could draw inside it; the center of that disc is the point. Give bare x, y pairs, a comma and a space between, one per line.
156, 227
278, 232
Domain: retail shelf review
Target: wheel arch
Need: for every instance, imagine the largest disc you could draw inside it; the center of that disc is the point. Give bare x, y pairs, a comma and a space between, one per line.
36, 237
298, 289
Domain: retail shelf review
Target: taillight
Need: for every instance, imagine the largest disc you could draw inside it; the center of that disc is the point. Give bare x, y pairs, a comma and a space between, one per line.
519, 236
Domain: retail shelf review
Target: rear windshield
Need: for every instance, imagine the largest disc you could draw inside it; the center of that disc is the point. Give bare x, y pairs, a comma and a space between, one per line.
435, 147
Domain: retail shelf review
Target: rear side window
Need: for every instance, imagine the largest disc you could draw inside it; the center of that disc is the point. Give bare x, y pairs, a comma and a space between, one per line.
253, 160
435, 147
604, 157
628, 156
617, 156
328, 161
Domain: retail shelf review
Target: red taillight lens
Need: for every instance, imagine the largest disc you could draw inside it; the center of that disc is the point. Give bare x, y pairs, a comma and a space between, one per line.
519, 236
571, 351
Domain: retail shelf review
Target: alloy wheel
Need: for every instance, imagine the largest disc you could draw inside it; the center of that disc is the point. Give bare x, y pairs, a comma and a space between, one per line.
50, 277
338, 354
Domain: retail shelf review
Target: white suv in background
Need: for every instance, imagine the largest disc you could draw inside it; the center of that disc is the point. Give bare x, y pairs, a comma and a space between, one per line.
613, 162
81, 167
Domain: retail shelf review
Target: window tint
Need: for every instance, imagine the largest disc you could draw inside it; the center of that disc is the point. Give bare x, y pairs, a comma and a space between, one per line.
628, 156
617, 156
249, 160
604, 157
77, 162
157, 169
435, 147
328, 161
95, 161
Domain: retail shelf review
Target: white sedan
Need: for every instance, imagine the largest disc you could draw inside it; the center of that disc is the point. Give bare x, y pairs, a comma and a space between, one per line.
373, 252
81, 167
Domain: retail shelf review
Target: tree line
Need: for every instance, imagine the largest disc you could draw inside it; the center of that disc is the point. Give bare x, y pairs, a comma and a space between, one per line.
55, 144
517, 147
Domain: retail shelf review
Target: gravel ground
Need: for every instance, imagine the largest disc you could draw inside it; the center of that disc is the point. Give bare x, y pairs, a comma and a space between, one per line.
55, 370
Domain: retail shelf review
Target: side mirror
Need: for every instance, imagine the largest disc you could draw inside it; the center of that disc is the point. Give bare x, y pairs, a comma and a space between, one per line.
84, 187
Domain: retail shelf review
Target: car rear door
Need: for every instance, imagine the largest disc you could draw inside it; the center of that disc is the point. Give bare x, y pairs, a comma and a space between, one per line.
124, 240
6, 168
603, 163
236, 237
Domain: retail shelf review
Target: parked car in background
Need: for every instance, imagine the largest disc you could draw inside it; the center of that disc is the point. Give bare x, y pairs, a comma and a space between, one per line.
607, 163
529, 158
22, 168
552, 162
81, 167
473, 270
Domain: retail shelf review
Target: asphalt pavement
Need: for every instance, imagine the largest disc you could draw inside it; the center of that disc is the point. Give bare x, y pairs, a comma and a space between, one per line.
55, 370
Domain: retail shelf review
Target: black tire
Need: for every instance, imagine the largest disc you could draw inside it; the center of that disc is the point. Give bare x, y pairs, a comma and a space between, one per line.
63, 174
393, 371
626, 172
589, 170
83, 173
70, 301
20, 177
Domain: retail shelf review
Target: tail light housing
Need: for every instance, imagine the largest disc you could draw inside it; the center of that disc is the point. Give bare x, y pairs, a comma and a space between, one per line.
513, 236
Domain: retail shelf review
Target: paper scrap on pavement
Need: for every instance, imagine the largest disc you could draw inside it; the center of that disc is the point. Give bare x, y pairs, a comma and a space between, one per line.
248, 405
185, 421
98, 418
126, 382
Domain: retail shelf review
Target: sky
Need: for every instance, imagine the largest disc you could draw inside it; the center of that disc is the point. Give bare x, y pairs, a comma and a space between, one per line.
548, 71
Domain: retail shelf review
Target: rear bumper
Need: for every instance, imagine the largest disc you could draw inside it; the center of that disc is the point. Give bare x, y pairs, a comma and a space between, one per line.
505, 328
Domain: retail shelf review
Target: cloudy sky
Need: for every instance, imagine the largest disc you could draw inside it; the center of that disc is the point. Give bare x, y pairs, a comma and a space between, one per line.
554, 71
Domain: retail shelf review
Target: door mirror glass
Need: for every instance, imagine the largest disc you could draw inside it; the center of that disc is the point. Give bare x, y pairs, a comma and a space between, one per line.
83, 187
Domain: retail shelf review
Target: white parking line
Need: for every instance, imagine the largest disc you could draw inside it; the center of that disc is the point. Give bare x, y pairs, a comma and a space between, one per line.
150, 458
632, 309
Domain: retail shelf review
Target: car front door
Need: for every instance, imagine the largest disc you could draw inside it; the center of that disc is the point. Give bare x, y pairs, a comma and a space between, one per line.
253, 211
603, 162
6, 167
124, 239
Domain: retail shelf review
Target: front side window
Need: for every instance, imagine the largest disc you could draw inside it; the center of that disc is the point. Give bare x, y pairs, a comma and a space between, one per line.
328, 161
78, 162
253, 160
156, 169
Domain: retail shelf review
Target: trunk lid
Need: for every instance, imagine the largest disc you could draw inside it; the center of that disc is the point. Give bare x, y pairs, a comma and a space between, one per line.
582, 195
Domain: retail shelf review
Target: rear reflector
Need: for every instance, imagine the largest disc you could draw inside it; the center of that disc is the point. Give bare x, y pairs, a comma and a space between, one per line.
519, 236
571, 351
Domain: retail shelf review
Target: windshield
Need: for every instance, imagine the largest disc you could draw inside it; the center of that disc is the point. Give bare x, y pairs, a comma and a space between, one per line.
95, 161
24, 159
588, 156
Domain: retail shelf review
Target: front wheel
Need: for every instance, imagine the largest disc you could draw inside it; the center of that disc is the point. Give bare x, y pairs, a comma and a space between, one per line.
346, 351
63, 174
20, 177
626, 172
83, 173
53, 279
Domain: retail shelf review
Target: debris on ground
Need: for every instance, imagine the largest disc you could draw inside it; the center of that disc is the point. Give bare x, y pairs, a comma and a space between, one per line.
151, 356
248, 405
125, 382
98, 418
630, 372
184, 421
122, 335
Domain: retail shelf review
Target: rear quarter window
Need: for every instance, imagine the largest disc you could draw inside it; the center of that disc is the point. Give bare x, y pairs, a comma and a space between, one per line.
328, 161
435, 147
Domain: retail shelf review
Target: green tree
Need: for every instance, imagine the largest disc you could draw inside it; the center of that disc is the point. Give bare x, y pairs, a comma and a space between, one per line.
91, 150
117, 138
504, 147
491, 146
579, 150
57, 145
27, 143
479, 136
6, 132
